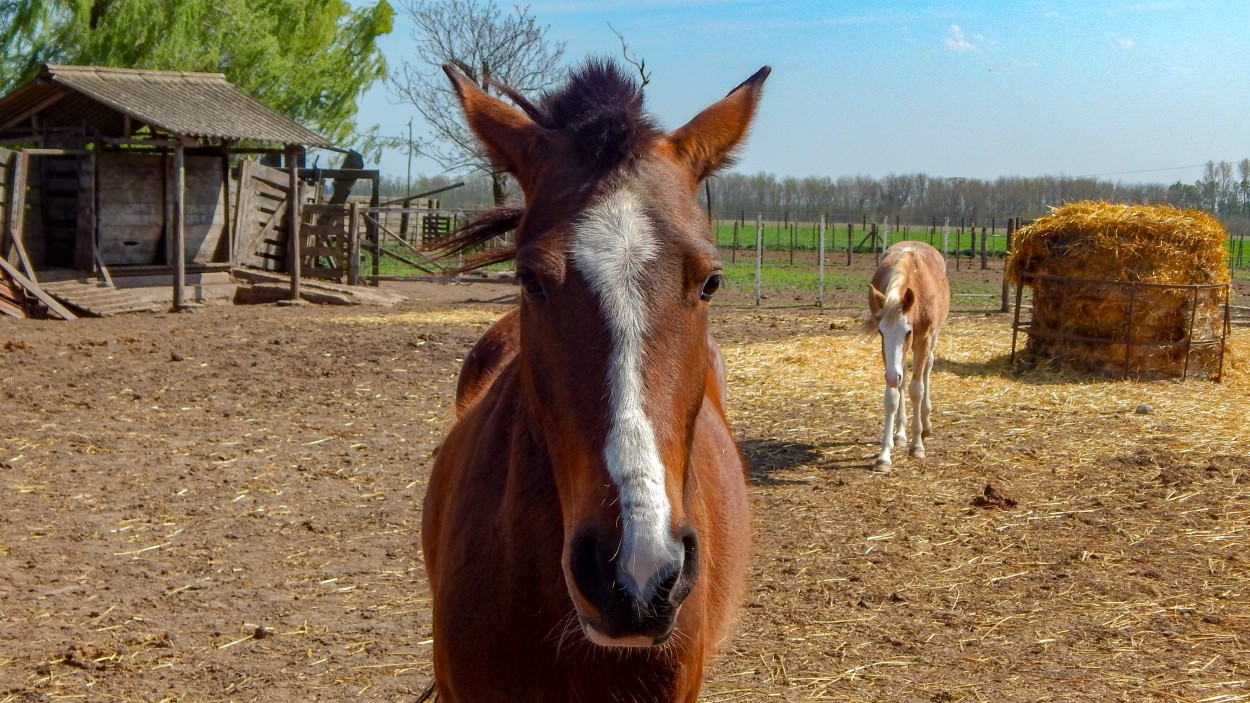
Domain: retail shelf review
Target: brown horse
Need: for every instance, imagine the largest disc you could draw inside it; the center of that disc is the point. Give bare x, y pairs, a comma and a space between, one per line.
909, 298
586, 529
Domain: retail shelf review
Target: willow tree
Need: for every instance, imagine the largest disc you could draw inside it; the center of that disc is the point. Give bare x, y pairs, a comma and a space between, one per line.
309, 59
490, 46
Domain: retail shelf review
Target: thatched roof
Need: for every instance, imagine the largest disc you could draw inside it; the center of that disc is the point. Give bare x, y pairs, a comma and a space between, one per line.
180, 103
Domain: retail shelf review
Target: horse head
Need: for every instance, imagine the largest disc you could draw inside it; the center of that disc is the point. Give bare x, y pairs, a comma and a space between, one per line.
890, 317
616, 265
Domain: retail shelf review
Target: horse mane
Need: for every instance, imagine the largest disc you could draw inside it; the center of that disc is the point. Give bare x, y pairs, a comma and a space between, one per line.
600, 110
895, 282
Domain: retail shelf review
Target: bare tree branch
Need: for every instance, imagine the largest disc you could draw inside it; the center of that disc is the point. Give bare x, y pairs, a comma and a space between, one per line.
640, 64
492, 47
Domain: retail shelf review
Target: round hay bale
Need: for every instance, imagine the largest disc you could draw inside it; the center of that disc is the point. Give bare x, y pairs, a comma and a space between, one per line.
1125, 289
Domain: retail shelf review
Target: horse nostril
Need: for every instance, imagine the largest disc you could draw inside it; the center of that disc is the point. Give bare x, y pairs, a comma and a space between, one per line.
591, 566
678, 583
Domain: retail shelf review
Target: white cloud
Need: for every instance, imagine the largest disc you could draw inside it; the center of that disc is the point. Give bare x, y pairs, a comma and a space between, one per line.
958, 41
1121, 42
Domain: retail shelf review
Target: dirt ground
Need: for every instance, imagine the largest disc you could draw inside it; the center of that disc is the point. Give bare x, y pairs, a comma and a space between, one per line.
224, 505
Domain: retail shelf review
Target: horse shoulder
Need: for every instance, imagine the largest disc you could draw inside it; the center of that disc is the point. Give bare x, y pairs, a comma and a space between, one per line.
488, 357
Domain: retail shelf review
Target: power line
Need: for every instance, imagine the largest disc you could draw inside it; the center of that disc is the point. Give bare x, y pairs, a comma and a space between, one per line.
1148, 170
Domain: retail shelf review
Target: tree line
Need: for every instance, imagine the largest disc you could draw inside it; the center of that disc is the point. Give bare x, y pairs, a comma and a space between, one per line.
919, 197
1224, 191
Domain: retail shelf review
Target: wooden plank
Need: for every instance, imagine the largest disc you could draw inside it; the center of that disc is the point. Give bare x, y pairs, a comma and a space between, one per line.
318, 272
294, 260
33, 288
265, 191
178, 225
325, 209
17, 212
241, 209
353, 245
311, 252
323, 231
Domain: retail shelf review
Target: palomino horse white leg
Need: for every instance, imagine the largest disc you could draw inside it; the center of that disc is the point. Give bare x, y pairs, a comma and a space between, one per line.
893, 399
918, 389
900, 421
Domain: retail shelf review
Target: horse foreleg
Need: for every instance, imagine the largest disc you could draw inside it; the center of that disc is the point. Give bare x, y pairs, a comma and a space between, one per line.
926, 404
916, 390
900, 421
893, 399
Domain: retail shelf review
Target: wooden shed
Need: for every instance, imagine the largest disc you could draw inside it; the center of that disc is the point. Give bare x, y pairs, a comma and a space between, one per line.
127, 173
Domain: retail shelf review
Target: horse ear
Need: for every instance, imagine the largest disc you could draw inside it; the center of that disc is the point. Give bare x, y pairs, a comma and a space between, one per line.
508, 134
707, 142
909, 299
876, 298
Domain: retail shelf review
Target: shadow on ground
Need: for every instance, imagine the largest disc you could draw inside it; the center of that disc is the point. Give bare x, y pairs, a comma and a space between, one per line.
768, 457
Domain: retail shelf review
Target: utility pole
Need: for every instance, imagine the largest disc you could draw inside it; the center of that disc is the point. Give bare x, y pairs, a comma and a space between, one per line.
408, 183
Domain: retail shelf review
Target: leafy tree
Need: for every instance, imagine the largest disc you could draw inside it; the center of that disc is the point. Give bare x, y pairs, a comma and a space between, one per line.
308, 59
489, 46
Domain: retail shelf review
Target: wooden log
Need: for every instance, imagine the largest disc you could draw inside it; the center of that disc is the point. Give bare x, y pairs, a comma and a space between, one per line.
241, 204
353, 244
17, 212
293, 257
178, 225
1006, 293
33, 288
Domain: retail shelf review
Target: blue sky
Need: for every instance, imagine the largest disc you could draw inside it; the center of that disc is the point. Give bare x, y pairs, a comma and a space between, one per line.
1130, 91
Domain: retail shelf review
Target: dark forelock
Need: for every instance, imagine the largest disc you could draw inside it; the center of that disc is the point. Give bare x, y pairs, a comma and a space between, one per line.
601, 110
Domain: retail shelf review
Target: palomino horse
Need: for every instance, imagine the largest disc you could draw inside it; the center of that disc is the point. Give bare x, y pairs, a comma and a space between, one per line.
586, 529
909, 298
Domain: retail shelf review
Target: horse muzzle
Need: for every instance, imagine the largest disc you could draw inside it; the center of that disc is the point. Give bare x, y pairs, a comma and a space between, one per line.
617, 612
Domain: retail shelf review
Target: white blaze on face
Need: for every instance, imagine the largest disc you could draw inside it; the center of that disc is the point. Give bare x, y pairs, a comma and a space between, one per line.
611, 247
894, 328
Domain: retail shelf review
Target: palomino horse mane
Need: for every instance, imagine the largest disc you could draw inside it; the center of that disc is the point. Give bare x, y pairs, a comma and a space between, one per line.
894, 306
899, 276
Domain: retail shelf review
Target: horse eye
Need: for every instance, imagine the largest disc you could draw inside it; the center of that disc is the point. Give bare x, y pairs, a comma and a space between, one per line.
530, 284
711, 285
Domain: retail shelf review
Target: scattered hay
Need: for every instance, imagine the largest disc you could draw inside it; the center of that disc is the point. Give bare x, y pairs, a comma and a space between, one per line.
1129, 289
454, 316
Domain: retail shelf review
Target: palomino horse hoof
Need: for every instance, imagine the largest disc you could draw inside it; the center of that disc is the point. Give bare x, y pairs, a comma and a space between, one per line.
916, 452
882, 466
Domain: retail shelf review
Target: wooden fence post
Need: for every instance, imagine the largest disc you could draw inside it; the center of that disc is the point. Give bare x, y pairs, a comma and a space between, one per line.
353, 244
1006, 302
985, 253
850, 242
820, 265
293, 254
179, 226
759, 253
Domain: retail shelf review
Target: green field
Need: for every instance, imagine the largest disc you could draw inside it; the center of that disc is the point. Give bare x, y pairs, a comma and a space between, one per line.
805, 236
790, 263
